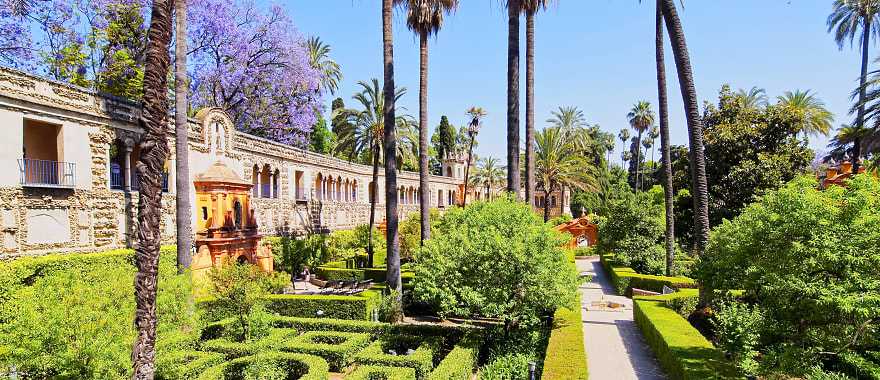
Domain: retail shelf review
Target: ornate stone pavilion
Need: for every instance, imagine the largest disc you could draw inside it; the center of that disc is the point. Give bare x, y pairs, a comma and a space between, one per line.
67, 182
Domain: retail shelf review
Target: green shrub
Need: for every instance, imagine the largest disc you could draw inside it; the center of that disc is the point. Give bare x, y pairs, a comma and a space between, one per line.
270, 365
181, 365
682, 351
625, 279
338, 348
69, 316
371, 372
557, 220
633, 230
240, 291
507, 367
357, 307
737, 329
485, 250
292, 254
327, 324
459, 363
808, 258
411, 233
339, 274
392, 350
566, 358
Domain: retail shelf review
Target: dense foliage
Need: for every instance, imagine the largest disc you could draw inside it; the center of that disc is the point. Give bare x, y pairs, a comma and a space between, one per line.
632, 229
495, 259
70, 316
807, 259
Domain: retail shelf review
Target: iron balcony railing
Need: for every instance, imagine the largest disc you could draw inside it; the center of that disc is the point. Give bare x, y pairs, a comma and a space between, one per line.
44, 173
117, 179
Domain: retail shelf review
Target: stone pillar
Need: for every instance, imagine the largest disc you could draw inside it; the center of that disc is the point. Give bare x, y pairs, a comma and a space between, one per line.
214, 211
271, 185
126, 187
259, 183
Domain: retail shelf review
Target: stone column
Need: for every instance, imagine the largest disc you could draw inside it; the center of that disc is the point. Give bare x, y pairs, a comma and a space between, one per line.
214, 211
271, 185
126, 187
259, 183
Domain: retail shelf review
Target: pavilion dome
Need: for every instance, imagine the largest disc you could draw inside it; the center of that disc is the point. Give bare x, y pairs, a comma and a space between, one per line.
220, 173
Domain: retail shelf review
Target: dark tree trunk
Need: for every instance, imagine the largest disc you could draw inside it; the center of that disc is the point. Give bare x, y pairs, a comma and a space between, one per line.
181, 142
390, 140
467, 172
154, 152
530, 107
561, 199
639, 161
860, 115
546, 205
513, 180
424, 194
668, 190
373, 195
695, 125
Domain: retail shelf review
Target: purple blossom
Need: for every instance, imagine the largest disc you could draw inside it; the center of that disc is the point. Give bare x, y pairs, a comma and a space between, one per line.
254, 64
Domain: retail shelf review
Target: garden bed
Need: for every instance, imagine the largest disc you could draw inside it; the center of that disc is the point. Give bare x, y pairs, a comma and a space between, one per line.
566, 358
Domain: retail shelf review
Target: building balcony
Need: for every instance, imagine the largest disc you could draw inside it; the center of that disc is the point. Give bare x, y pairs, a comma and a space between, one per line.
44, 173
117, 179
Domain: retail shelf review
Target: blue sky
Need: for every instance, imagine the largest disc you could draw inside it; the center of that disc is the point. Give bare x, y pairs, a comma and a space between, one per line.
597, 55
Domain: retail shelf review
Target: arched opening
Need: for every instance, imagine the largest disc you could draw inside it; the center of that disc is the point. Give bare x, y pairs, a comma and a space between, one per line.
276, 181
266, 182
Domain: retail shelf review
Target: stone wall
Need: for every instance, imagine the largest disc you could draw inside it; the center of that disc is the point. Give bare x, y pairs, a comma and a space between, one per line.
91, 216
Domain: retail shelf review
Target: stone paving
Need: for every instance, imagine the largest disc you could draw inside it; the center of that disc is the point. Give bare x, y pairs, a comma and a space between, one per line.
615, 347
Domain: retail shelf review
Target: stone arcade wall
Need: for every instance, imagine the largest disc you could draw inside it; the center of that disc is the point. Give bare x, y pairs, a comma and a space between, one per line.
91, 216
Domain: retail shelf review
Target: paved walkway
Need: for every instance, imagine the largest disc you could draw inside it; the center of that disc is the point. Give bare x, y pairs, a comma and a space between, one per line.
614, 344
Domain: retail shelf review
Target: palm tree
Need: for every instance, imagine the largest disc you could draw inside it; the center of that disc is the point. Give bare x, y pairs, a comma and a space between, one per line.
181, 143
425, 18
531, 8
623, 135
848, 19
850, 135
390, 142
488, 174
558, 164
753, 99
653, 134
319, 58
699, 184
640, 118
647, 144
663, 108
477, 114
514, 8
363, 131
568, 118
154, 152
816, 119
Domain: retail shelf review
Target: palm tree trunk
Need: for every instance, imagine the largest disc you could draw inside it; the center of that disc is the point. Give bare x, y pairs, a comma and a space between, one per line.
424, 195
695, 125
390, 140
373, 195
639, 160
154, 152
513, 180
546, 205
860, 115
181, 142
467, 172
561, 199
530, 107
668, 190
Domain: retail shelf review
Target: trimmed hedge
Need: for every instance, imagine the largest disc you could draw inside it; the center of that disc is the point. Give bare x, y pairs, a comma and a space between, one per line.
625, 279
355, 307
681, 350
372, 372
338, 348
340, 274
297, 366
327, 324
185, 364
422, 359
459, 364
566, 358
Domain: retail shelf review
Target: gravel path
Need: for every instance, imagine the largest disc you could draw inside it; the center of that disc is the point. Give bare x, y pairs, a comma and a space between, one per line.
615, 347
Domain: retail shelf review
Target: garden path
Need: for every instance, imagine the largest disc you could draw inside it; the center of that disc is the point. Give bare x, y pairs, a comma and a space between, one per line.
615, 346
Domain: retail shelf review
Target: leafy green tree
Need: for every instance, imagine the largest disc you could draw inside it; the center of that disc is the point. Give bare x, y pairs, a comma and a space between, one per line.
495, 259
240, 290
489, 175
321, 139
749, 151
632, 230
444, 139
124, 43
754, 98
797, 256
